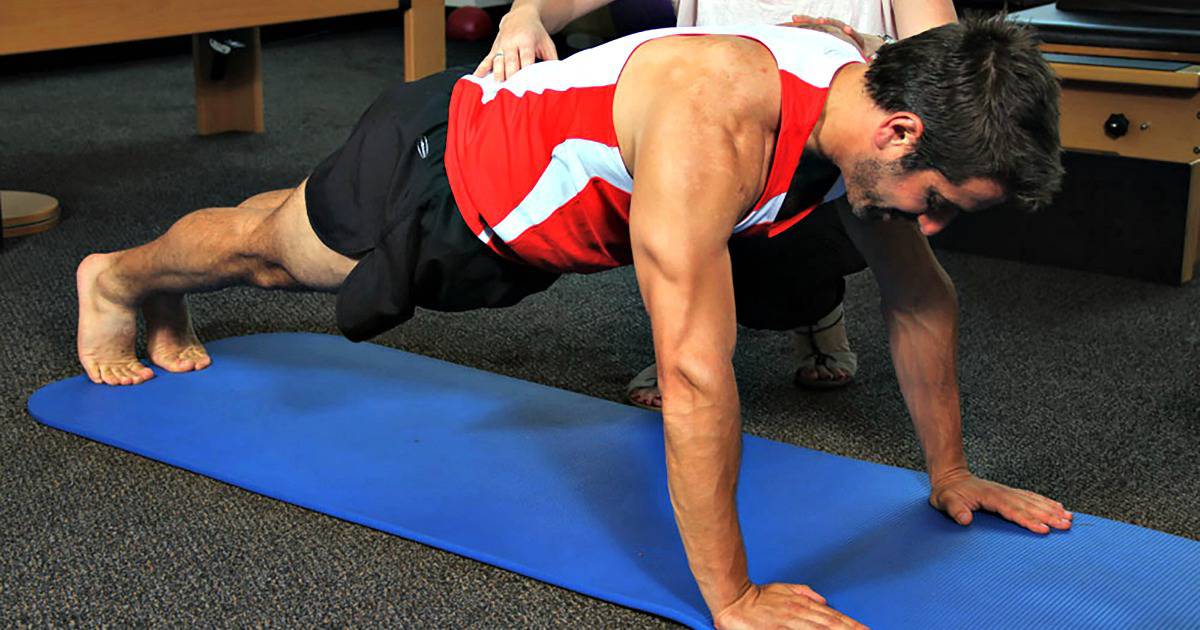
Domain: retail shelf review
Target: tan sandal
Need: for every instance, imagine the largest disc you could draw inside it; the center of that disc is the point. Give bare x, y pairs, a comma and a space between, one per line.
646, 379
825, 345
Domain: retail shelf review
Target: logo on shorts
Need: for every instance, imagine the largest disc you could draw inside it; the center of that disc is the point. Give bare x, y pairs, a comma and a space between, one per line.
423, 147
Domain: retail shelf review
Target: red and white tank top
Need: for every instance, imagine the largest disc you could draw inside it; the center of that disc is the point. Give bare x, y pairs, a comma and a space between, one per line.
534, 165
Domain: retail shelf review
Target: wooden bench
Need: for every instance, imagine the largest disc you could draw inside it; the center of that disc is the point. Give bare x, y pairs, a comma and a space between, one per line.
234, 101
229, 99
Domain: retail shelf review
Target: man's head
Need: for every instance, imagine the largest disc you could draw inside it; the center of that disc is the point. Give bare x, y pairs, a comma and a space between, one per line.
969, 119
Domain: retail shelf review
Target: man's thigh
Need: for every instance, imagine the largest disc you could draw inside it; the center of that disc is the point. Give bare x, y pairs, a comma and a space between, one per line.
287, 235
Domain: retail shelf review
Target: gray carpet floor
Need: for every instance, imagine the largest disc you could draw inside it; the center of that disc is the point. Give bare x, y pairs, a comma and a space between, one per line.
1079, 386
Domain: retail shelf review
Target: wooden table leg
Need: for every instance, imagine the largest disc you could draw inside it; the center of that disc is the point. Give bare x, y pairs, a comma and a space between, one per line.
1191, 245
424, 39
228, 98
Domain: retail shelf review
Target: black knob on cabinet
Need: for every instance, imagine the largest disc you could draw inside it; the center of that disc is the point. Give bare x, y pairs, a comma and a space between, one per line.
1116, 126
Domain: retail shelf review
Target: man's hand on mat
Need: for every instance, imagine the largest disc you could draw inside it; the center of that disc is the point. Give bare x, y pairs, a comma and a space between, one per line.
960, 493
522, 40
781, 606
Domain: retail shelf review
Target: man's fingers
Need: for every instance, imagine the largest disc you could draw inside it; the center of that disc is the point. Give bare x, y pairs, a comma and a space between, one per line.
958, 509
1025, 519
1037, 509
810, 616
803, 589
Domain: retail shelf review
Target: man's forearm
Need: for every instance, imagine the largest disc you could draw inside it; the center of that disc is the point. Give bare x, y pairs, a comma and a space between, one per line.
703, 447
924, 338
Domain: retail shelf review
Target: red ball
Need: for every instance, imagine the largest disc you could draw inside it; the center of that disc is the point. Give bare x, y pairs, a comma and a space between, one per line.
469, 24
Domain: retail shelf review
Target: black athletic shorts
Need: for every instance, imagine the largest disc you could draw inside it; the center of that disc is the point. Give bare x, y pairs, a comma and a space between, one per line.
383, 199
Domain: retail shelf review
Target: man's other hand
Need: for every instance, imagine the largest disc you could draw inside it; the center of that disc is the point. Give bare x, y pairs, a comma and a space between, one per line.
781, 606
960, 493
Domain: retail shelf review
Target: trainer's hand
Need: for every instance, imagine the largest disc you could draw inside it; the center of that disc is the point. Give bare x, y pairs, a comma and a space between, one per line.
960, 493
522, 39
781, 606
865, 43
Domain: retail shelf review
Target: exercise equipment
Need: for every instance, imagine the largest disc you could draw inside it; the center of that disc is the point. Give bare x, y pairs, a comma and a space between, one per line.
469, 24
571, 490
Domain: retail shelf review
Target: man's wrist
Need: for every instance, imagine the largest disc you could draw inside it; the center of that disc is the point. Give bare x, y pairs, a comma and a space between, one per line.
939, 475
723, 598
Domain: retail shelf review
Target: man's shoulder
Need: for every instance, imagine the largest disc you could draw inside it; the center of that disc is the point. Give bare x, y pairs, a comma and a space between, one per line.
721, 75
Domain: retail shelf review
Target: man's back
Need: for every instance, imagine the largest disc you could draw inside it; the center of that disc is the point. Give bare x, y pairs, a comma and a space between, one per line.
542, 166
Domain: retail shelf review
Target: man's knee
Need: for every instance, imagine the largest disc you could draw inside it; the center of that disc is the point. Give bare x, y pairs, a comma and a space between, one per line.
293, 255
269, 200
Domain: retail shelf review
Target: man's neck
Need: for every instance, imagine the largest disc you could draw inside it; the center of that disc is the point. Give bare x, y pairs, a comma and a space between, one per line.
846, 108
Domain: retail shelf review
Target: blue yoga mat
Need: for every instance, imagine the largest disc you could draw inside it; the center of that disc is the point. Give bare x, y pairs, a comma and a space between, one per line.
571, 490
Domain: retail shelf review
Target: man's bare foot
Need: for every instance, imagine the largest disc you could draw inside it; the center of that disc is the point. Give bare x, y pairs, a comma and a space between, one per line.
170, 339
107, 328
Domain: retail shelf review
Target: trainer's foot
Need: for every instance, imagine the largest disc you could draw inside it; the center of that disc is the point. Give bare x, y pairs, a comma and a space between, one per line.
643, 390
170, 339
107, 328
826, 360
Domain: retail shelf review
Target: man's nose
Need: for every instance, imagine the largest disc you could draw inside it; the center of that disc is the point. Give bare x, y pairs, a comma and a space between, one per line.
933, 222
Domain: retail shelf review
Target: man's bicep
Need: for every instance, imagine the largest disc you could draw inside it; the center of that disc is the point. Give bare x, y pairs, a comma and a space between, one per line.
687, 196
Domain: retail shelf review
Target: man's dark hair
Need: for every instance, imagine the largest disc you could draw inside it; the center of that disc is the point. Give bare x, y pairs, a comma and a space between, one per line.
988, 100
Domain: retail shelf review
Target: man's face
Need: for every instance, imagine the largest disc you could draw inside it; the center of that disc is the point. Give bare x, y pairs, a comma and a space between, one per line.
882, 190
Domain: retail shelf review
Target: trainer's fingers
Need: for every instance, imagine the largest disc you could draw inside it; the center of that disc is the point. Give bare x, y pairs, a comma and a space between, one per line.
485, 66
512, 62
546, 49
527, 57
498, 65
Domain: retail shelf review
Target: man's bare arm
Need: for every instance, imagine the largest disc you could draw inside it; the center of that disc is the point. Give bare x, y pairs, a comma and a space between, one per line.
699, 157
920, 308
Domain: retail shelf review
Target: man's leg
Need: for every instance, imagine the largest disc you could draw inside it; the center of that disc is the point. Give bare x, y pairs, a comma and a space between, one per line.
256, 244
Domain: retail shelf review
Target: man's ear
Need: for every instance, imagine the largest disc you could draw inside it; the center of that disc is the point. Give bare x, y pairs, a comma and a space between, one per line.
897, 135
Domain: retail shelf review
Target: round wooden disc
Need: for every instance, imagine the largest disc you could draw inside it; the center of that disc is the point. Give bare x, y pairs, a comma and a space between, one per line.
27, 213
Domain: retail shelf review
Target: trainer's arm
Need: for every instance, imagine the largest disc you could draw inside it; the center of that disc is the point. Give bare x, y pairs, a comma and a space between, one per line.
555, 14
920, 308
916, 16
524, 34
